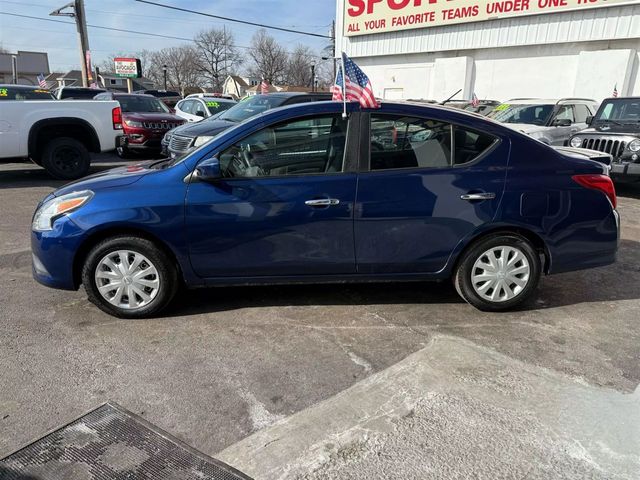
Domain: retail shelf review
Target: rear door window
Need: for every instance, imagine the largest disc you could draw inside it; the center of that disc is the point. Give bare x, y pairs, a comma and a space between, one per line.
470, 144
406, 142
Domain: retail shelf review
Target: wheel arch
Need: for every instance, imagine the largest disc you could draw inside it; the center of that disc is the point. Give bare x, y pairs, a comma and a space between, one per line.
51, 128
536, 240
103, 234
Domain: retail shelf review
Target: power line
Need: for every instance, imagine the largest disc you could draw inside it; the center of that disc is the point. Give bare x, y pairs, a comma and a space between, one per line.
127, 31
245, 22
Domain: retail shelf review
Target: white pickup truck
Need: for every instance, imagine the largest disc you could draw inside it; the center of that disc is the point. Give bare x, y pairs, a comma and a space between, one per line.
57, 135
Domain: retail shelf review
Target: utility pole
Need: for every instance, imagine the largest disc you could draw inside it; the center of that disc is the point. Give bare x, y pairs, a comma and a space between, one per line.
81, 25
313, 76
333, 45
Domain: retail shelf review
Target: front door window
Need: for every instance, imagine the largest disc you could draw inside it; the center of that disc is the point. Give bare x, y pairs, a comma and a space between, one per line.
314, 145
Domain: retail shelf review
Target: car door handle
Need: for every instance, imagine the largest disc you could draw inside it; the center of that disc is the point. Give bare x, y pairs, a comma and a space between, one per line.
478, 196
322, 202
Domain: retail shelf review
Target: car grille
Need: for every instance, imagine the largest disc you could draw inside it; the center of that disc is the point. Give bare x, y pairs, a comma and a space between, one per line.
160, 126
607, 145
180, 144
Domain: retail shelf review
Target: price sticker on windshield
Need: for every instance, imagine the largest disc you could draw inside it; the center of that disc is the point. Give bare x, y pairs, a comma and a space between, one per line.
213, 104
4, 92
502, 107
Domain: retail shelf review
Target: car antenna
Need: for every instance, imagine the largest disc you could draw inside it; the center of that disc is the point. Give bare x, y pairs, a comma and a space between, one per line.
449, 99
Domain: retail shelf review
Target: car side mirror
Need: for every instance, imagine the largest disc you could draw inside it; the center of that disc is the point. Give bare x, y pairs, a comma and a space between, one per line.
200, 114
209, 170
562, 122
589, 119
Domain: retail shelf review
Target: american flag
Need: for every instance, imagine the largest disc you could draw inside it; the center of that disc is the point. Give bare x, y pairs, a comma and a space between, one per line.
354, 83
264, 87
41, 81
474, 101
615, 90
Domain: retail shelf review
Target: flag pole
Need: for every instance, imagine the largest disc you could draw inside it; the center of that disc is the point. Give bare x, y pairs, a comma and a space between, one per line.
344, 87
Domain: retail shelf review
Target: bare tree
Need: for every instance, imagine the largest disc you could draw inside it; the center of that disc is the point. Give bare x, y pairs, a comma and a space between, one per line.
216, 56
299, 66
269, 58
181, 64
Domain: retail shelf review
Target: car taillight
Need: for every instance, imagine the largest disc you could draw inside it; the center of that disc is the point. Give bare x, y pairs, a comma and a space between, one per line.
598, 182
116, 118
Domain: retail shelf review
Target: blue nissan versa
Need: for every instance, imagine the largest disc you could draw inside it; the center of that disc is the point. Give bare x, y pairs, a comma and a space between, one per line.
299, 194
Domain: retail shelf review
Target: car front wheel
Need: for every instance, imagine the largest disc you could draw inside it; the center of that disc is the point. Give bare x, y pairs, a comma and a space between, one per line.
129, 277
498, 273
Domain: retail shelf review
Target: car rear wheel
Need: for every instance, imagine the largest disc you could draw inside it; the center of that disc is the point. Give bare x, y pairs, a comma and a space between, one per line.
66, 159
129, 277
498, 273
124, 152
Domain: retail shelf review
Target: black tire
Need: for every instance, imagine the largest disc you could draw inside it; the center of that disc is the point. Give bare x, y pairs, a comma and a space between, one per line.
66, 159
167, 274
123, 152
465, 268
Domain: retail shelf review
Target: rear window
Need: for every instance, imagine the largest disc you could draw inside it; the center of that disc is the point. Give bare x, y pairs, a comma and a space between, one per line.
141, 104
13, 93
79, 94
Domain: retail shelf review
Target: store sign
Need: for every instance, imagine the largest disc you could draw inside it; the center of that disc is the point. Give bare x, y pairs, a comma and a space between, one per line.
363, 17
127, 67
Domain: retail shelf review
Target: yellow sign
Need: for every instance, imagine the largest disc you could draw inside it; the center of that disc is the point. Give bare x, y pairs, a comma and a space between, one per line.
363, 17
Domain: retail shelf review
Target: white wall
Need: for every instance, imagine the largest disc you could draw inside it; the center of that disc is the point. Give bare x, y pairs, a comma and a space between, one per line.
589, 69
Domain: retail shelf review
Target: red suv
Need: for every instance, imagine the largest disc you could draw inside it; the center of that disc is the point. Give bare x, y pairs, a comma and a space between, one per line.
145, 120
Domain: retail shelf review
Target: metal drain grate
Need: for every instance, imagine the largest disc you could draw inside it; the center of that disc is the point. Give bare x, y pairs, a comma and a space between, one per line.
112, 443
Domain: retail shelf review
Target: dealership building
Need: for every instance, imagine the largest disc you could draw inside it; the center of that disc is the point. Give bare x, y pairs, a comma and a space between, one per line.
497, 49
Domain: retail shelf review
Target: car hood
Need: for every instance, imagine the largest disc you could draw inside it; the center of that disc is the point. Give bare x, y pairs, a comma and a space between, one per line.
525, 127
152, 117
115, 177
205, 128
612, 129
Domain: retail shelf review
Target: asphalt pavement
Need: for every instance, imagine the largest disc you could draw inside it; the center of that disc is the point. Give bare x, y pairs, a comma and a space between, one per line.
547, 390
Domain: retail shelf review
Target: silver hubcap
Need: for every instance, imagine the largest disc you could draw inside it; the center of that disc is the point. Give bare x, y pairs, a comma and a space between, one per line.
127, 279
500, 274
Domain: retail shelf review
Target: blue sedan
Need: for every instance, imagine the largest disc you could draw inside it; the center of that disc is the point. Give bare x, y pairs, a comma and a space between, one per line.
304, 194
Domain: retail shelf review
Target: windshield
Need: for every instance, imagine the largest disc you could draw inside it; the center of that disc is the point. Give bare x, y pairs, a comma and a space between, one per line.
142, 105
9, 93
250, 107
215, 106
530, 114
624, 110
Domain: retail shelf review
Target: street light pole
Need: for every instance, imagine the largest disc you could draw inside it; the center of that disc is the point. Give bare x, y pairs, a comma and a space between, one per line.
164, 71
14, 69
81, 25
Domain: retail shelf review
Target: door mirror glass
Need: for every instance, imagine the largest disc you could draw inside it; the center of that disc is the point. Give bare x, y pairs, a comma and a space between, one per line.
209, 170
562, 122
200, 113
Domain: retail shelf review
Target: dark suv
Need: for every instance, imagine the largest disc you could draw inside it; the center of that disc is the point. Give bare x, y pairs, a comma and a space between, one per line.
182, 140
615, 129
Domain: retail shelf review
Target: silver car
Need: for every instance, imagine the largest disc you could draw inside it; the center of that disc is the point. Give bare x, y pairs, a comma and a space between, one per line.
551, 121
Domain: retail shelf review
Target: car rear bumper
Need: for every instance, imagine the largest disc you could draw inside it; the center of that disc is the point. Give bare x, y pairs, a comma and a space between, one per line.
600, 251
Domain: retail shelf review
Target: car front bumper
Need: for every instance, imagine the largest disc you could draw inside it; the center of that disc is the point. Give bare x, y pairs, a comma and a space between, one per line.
625, 169
53, 254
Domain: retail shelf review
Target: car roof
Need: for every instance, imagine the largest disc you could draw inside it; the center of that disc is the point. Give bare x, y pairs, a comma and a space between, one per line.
549, 101
298, 94
213, 99
122, 94
21, 87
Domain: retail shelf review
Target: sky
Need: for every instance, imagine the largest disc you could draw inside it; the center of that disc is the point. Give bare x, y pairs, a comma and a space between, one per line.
60, 41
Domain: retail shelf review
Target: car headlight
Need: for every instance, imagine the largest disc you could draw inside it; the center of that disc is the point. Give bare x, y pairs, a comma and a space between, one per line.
133, 123
634, 145
576, 142
202, 140
58, 206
